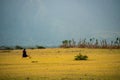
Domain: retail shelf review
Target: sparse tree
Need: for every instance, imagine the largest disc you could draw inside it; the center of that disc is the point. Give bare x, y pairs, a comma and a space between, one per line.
65, 43
18, 47
69, 43
73, 43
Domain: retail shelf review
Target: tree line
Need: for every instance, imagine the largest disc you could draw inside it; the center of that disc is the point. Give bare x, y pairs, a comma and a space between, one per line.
82, 43
91, 43
20, 47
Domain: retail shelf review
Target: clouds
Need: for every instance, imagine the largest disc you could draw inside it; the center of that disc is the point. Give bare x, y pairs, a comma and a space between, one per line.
50, 21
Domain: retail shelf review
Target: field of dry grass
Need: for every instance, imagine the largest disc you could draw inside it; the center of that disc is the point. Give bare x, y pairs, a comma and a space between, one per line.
59, 64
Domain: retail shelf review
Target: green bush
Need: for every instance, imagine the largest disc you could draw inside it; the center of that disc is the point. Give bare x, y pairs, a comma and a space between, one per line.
18, 47
40, 47
81, 57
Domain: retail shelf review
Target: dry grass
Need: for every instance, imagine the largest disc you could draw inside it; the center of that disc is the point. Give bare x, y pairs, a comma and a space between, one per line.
59, 64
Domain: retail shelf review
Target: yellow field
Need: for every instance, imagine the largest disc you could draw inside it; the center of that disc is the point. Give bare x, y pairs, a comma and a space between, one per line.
59, 64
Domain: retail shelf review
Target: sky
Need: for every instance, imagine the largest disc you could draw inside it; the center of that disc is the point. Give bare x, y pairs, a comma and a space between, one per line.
48, 22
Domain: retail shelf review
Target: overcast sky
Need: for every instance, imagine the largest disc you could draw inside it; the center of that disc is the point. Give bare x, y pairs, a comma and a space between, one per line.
48, 22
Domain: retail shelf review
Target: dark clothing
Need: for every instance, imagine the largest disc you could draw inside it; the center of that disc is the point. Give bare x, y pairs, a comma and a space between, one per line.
24, 53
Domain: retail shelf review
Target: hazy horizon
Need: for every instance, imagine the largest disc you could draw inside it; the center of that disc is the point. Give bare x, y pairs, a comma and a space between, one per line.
48, 22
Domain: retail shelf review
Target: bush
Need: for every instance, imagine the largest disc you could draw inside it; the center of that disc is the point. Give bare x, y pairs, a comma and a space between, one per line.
40, 47
18, 47
81, 57
6, 48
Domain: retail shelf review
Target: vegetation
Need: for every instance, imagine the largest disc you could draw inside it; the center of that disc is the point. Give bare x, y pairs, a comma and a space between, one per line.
6, 48
18, 47
82, 43
91, 43
10, 47
81, 57
40, 47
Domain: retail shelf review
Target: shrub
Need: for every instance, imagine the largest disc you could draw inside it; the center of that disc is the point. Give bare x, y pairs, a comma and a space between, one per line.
81, 57
6, 48
18, 47
40, 47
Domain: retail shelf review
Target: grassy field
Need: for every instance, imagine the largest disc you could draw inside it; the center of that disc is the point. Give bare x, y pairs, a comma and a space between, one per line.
59, 64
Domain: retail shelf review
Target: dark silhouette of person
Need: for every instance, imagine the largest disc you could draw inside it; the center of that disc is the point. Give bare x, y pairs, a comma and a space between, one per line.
24, 53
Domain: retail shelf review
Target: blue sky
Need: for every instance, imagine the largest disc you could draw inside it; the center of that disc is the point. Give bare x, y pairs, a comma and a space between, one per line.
48, 22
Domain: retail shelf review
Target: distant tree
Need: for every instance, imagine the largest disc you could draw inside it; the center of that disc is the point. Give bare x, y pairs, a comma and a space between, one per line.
69, 41
5, 48
117, 42
79, 43
8, 48
73, 43
40, 47
65, 43
92, 43
96, 43
18, 47
111, 43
